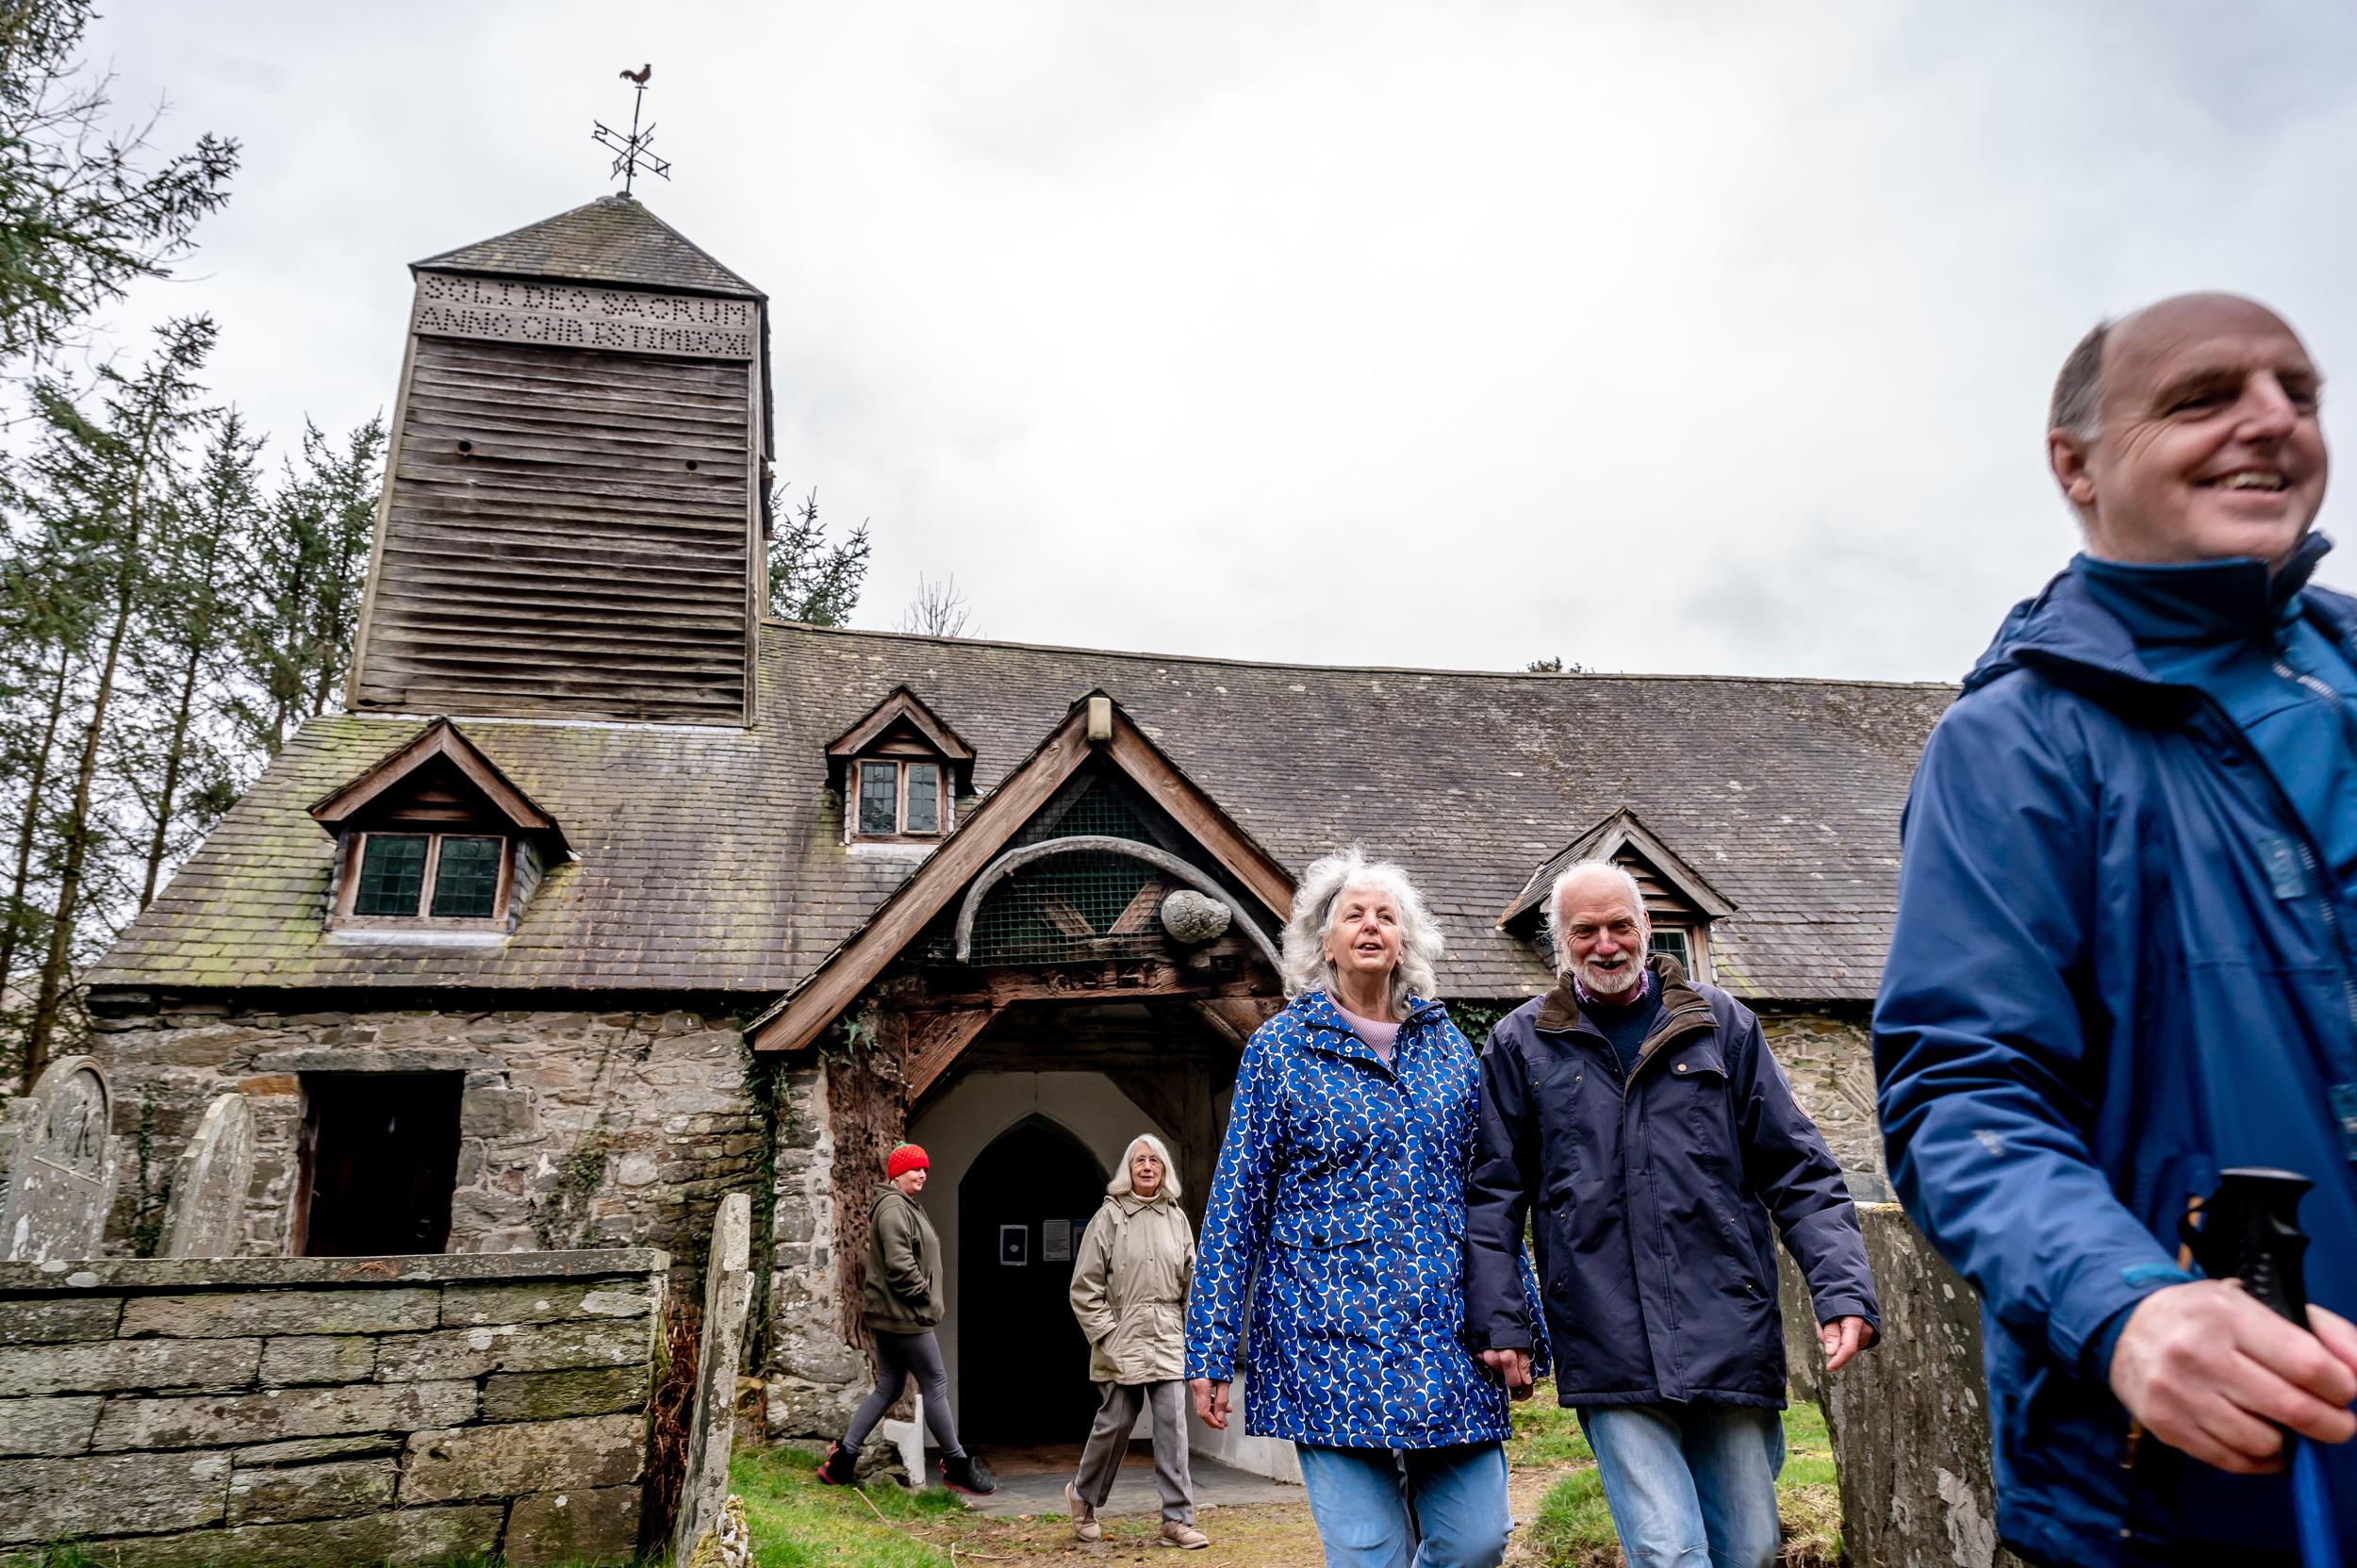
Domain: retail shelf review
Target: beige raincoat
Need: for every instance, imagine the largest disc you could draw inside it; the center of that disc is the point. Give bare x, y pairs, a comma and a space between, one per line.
1129, 1283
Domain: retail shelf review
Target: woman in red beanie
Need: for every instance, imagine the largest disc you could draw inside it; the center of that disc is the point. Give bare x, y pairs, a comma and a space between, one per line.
903, 1303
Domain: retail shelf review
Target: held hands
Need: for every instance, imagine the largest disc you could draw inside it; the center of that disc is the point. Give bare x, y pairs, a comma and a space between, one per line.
1210, 1402
1843, 1338
1512, 1365
2209, 1370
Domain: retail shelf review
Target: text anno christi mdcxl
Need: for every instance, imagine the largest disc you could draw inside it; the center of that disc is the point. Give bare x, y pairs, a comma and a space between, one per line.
579, 316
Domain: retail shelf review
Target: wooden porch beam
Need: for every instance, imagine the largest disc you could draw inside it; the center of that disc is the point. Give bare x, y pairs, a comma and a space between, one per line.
938, 1039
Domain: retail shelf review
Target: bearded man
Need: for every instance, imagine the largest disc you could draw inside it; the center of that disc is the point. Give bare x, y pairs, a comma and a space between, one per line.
1638, 1119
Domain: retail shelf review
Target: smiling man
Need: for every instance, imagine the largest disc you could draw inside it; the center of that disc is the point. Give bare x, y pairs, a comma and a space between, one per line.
2126, 958
1636, 1118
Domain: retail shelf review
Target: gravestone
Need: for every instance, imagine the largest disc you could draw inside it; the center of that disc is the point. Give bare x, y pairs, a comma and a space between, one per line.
712, 1427
61, 1170
206, 1215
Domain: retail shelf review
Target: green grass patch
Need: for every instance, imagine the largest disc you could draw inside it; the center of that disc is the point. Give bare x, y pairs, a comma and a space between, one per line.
1573, 1528
1545, 1434
797, 1523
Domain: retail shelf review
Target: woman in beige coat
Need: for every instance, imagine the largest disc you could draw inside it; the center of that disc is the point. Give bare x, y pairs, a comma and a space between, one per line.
1129, 1292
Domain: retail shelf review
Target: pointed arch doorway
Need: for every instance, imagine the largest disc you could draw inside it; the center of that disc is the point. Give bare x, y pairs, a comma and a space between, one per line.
1022, 1361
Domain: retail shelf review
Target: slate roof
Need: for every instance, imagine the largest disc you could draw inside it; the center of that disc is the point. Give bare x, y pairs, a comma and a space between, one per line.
712, 859
614, 239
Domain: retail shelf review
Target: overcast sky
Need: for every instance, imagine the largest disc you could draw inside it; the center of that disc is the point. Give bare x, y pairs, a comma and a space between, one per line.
1656, 335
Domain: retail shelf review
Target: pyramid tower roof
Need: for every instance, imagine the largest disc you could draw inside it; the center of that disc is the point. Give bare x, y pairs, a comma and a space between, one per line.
613, 240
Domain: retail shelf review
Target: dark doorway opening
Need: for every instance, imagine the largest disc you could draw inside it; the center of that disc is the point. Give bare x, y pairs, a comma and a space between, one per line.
1022, 1362
379, 1160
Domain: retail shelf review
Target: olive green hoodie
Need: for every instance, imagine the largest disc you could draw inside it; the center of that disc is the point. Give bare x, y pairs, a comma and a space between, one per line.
903, 1266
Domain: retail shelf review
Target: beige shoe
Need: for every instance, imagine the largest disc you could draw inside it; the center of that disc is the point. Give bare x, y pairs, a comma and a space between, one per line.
1084, 1523
1185, 1537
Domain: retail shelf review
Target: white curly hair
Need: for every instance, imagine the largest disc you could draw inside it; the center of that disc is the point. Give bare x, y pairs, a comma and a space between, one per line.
1314, 903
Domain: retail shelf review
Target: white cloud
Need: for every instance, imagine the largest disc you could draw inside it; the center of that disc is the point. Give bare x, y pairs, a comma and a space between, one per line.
1679, 337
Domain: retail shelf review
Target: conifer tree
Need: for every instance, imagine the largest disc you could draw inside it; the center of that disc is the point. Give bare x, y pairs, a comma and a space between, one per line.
101, 481
84, 210
183, 763
810, 578
310, 560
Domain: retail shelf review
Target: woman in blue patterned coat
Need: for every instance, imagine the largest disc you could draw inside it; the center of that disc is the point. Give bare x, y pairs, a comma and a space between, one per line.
1339, 1206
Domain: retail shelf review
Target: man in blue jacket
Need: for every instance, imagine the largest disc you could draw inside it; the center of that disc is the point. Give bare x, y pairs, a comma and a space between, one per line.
2126, 958
1637, 1118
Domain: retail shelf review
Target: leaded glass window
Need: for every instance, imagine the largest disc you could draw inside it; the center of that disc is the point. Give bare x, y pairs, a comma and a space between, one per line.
466, 878
401, 876
1674, 943
899, 799
924, 799
393, 874
878, 797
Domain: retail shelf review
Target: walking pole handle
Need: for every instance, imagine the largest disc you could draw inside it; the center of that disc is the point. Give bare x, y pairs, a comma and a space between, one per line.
2250, 1230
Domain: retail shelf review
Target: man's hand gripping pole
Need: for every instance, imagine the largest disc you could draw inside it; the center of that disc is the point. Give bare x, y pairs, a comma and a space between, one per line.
2250, 1230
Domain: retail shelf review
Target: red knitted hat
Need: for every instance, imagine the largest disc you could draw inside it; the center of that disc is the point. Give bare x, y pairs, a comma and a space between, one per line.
905, 1158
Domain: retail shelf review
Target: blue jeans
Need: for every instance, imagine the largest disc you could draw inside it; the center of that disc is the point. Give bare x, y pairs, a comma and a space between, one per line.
1690, 1486
1375, 1506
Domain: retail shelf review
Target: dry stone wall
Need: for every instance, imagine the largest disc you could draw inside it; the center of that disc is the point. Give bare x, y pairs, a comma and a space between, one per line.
1829, 1056
327, 1410
577, 1129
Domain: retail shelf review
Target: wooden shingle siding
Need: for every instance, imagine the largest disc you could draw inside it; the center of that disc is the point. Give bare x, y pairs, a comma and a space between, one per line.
565, 560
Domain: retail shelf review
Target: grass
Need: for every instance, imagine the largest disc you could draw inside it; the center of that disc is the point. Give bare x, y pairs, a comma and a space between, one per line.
1573, 1528
795, 1522
1545, 1434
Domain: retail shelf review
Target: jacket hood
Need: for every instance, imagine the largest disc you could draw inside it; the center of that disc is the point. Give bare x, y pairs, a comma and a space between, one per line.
2076, 634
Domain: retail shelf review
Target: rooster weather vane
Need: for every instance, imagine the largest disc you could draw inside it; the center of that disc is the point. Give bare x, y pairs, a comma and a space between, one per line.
631, 152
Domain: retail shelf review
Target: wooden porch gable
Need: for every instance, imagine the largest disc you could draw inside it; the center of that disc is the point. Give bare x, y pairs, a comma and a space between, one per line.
799, 1019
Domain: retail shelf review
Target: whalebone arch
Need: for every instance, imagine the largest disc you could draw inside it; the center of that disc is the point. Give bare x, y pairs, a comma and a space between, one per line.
1087, 882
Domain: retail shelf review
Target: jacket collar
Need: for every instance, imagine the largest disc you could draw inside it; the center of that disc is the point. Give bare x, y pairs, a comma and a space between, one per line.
1329, 1031
1562, 1011
2075, 633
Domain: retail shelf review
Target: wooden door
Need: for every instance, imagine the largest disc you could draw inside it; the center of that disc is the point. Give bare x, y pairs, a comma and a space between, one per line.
1022, 1361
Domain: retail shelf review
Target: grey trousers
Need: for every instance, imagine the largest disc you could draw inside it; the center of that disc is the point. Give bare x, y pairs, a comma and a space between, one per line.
898, 1357
1108, 1438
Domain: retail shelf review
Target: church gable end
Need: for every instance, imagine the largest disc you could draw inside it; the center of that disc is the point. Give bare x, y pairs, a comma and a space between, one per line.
573, 514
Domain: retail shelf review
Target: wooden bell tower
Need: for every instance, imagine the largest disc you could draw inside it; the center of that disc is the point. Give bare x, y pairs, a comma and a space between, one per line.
575, 505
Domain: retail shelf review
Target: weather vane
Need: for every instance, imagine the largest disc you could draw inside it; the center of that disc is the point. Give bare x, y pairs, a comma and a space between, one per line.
631, 152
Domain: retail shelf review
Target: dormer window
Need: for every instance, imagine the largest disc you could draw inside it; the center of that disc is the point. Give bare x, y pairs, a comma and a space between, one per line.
1679, 905
899, 798
441, 876
899, 768
435, 838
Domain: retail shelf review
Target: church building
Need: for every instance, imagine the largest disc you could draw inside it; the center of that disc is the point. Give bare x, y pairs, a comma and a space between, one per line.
609, 895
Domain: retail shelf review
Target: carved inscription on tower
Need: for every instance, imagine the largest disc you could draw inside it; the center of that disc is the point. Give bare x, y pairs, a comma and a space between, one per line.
584, 316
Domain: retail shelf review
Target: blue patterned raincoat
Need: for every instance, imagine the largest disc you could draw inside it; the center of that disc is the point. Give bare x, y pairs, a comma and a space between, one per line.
1339, 1206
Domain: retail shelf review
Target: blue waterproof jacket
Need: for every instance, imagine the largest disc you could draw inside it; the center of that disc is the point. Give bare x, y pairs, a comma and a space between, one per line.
1655, 1202
1340, 1207
2117, 971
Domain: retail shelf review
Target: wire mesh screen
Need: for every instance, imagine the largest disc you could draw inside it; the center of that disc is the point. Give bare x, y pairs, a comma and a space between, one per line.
1099, 813
1089, 904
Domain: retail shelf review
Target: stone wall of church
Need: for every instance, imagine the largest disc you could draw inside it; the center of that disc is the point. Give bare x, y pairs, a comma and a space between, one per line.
810, 1377
577, 1129
1828, 1054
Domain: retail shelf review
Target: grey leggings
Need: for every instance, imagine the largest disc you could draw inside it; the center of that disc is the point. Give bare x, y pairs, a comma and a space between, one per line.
900, 1357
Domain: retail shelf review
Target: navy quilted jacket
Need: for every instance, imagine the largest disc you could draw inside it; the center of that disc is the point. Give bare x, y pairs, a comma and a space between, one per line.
1340, 1207
1654, 1201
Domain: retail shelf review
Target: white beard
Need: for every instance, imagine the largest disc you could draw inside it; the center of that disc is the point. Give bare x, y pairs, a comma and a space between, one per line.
1613, 981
